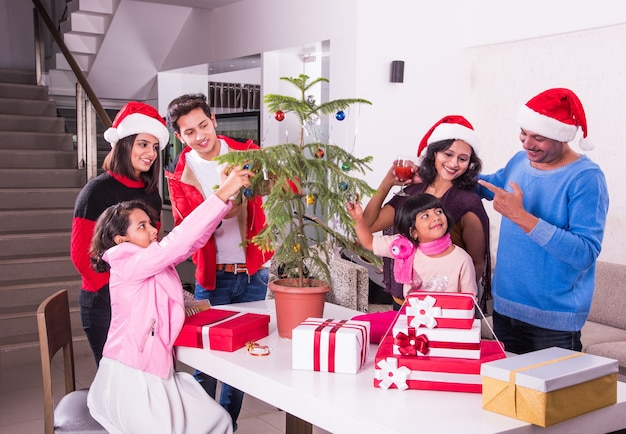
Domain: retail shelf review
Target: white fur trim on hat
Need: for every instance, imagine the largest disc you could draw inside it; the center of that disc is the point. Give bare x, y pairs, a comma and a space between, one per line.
545, 125
137, 123
457, 132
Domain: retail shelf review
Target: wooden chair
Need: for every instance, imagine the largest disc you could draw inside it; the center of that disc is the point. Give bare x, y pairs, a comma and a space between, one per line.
71, 415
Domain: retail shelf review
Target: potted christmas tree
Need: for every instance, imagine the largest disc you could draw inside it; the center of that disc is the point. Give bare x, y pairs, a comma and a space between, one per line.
307, 186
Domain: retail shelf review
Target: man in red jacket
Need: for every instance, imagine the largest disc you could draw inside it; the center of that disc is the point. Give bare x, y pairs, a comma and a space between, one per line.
229, 269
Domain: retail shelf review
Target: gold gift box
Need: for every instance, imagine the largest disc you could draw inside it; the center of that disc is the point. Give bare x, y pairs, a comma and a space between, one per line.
549, 386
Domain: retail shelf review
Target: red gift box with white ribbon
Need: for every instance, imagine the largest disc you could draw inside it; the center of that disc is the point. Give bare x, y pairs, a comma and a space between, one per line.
222, 330
437, 342
440, 309
432, 373
329, 345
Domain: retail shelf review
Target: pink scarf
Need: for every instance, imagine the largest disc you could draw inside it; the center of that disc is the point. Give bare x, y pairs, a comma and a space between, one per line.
403, 251
435, 247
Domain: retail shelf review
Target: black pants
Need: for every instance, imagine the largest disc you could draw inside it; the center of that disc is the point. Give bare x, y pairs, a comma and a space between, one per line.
95, 316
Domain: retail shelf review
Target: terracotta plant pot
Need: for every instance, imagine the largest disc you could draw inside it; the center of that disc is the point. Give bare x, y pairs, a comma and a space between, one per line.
295, 304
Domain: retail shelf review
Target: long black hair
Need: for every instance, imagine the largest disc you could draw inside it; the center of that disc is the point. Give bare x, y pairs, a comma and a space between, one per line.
404, 219
112, 222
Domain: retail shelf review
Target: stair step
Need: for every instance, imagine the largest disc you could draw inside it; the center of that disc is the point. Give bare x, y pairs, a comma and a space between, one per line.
98, 6
38, 243
48, 124
87, 22
37, 159
60, 141
24, 91
16, 324
40, 178
37, 198
49, 267
27, 107
26, 350
53, 219
86, 43
34, 291
17, 76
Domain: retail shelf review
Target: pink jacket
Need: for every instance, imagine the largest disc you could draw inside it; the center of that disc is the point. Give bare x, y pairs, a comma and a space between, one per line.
147, 307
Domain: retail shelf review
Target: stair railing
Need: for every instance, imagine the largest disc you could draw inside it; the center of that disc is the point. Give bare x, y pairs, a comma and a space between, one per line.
87, 103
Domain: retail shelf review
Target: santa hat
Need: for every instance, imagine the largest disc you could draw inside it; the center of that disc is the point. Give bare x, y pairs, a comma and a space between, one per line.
452, 127
556, 114
136, 118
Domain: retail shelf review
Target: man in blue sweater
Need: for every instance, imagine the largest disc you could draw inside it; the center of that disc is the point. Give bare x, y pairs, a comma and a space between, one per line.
553, 203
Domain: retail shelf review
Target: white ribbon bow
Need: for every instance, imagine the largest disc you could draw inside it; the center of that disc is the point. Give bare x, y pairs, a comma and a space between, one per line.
423, 311
390, 374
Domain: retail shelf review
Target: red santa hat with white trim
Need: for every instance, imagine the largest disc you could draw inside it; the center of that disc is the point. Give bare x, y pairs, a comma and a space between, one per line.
451, 127
136, 118
556, 114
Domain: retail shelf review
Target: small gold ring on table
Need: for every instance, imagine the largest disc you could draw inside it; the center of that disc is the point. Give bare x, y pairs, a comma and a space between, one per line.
255, 349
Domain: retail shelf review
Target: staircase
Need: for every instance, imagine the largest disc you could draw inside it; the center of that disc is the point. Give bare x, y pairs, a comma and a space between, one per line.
39, 182
83, 28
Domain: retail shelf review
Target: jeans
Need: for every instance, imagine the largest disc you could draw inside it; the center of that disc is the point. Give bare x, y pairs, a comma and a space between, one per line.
231, 288
519, 337
95, 317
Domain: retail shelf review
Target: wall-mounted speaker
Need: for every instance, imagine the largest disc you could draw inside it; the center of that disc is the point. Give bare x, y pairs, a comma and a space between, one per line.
397, 71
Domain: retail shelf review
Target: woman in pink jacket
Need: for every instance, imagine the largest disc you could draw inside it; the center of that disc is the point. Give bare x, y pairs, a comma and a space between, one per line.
136, 388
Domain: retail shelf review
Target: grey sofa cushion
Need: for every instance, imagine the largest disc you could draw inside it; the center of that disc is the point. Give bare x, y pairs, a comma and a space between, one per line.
594, 333
612, 350
610, 293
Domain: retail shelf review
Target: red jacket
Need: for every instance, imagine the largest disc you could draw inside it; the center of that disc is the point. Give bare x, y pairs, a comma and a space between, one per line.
186, 195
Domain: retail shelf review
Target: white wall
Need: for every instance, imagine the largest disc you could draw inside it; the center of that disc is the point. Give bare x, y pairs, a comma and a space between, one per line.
481, 59
505, 76
17, 43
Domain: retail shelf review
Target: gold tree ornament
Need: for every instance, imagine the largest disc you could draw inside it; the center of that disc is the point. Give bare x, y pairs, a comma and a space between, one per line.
297, 232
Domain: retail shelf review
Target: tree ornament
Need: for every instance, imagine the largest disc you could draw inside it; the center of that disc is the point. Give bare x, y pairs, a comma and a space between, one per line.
343, 185
352, 198
345, 167
310, 199
248, 192
319, 153
296, 248
310, 100
280, 115
341, 115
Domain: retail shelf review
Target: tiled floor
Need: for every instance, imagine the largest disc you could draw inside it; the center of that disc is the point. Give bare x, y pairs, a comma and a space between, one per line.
21, 401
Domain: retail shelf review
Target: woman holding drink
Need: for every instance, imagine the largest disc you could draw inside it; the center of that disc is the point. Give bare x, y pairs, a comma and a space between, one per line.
448, 166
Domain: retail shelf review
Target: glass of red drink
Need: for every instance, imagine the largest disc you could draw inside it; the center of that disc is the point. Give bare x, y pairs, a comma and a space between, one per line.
403, 168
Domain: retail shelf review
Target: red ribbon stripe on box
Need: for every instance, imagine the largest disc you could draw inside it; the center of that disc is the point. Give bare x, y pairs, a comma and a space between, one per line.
439, 309
409, 344
335, 326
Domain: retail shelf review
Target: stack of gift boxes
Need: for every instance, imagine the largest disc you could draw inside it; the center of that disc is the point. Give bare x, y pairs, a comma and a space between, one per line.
435, 344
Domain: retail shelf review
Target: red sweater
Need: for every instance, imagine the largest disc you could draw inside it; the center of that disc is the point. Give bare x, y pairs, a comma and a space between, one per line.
97, 195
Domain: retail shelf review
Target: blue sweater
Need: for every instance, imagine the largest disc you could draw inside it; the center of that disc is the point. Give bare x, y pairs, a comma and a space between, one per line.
546, 277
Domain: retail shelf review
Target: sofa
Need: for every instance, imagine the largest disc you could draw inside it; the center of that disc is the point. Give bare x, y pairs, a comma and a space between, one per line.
604, 333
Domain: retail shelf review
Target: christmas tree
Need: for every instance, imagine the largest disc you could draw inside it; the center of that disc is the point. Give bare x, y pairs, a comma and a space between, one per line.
307, 186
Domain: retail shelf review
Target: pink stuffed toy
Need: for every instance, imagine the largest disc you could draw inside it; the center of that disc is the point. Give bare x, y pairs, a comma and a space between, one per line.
403, 251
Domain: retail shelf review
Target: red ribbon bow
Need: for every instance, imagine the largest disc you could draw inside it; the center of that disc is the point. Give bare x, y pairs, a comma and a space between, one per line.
410, 344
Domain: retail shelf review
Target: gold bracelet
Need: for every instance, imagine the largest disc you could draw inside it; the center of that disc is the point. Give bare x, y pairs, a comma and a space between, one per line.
255, 349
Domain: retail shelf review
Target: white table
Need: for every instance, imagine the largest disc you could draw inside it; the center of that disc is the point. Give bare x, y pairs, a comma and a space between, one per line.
345, 403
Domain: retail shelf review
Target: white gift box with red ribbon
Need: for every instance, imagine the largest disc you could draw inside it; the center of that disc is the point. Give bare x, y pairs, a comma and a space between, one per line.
437, 342
329, 345
440, 309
